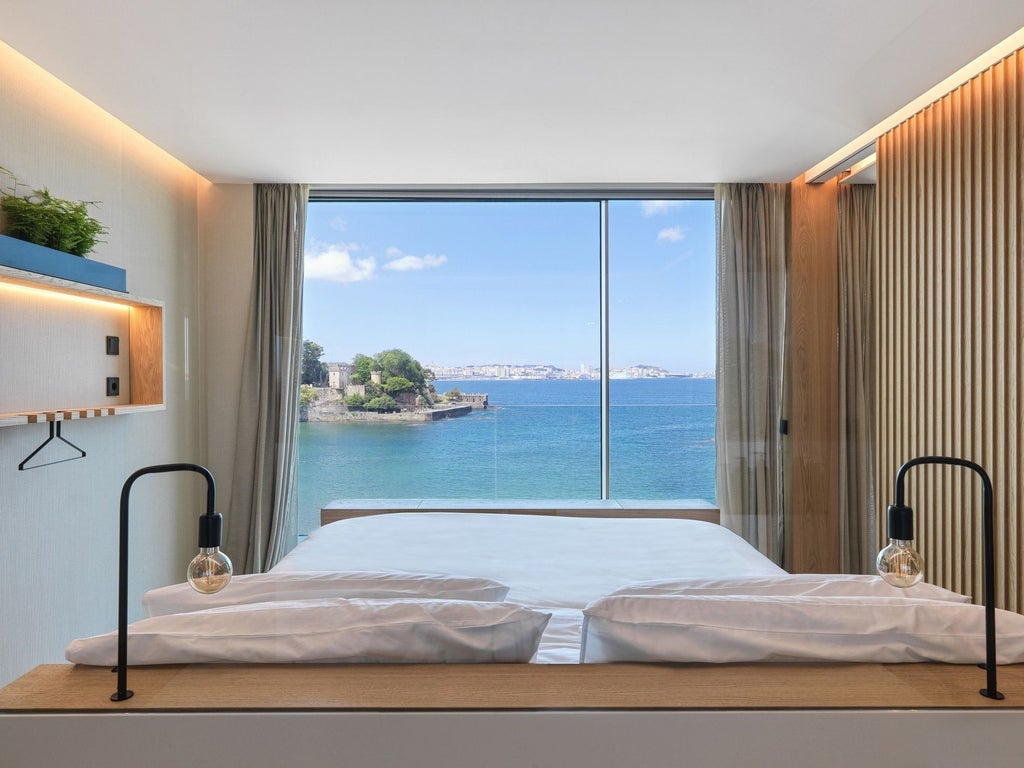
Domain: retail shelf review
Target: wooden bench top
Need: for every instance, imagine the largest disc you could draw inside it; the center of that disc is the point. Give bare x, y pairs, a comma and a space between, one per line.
497, 687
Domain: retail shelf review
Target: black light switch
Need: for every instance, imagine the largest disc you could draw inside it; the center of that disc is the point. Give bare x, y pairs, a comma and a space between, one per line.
113, 345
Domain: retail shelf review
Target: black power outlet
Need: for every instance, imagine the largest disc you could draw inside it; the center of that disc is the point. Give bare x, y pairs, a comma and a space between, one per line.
113, 386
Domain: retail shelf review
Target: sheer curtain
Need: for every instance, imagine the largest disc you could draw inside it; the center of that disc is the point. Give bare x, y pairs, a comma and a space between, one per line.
857, 513
261, 524
751, 222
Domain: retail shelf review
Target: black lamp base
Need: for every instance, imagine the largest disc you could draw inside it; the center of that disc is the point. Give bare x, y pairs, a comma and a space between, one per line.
900, 513
212, 531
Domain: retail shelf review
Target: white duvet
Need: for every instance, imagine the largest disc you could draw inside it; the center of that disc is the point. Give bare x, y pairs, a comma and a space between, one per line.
559, 564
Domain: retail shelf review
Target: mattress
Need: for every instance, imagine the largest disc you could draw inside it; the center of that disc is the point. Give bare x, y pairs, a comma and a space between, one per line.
557, 564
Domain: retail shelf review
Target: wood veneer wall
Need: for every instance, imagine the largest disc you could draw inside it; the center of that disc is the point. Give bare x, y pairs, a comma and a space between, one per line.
813, 442
950, 321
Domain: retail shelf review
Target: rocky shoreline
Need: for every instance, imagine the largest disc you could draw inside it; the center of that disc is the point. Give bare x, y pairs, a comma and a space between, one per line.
330, 407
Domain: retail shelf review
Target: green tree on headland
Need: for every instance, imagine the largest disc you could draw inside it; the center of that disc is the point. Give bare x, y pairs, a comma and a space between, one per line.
397, 384
396, 362
364, 366
356, 401
313, 371
307, 395
382, 404
399, 372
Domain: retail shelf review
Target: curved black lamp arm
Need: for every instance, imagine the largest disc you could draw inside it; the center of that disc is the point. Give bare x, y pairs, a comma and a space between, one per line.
990, 690
209, 536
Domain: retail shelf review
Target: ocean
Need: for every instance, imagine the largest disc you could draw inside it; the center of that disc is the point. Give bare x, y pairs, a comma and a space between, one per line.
540, 439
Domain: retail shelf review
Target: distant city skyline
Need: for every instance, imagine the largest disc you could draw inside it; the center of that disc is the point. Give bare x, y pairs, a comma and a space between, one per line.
542, 370
456, 283
539, 371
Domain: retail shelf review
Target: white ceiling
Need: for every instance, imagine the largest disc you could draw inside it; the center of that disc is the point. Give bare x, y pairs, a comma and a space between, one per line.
404, 92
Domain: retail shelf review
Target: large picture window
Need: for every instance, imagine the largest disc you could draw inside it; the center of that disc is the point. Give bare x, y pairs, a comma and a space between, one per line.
507, 349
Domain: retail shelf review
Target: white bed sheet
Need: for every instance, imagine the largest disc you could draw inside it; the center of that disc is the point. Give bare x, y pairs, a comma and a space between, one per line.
557, 564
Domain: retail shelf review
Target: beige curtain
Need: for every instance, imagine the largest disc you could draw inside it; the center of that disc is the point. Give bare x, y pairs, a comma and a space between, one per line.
751, 221
261, 524
857, 513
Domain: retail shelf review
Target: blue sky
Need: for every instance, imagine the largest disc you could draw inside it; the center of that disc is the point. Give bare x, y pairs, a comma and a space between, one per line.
463, 283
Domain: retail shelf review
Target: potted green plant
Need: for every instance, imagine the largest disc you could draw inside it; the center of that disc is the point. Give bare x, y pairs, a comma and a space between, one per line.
59, 227
43, 219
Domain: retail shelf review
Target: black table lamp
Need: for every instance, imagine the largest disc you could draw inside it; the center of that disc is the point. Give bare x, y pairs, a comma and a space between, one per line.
901, 565
209, 571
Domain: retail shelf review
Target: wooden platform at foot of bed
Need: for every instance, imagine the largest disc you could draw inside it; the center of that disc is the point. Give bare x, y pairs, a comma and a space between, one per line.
524, 687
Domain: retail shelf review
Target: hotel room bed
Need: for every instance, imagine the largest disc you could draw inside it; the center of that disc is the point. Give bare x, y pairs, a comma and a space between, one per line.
553, 712
554, 564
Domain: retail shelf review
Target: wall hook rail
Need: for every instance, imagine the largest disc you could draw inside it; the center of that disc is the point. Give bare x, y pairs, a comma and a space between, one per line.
54, 435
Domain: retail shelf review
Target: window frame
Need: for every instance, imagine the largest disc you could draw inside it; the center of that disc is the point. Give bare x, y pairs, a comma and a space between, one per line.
602, 195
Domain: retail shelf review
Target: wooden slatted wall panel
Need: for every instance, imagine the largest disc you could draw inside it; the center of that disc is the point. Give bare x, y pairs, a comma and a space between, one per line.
950, 321
813, 544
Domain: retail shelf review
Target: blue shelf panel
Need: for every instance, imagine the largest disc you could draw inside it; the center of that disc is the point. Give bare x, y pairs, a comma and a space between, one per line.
30, 257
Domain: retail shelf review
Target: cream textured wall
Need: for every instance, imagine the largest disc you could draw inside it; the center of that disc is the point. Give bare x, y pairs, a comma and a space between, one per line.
226, 242
58, 524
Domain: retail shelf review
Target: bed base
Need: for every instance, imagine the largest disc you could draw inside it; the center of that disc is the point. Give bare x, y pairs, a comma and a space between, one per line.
514, 715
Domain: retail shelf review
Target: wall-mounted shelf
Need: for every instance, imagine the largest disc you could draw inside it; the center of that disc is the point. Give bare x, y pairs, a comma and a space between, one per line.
41, 417
44, 261
53, 360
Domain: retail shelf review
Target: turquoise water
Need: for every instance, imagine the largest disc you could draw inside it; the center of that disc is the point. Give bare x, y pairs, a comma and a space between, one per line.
539, 440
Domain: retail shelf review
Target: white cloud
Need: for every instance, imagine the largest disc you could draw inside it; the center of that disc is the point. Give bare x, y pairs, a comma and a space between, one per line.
335, 263
672, 234
656, 207
403, 262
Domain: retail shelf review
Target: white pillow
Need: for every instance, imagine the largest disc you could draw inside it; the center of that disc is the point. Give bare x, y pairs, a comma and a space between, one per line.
718, 628
822, 585
266, 587
328, 630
